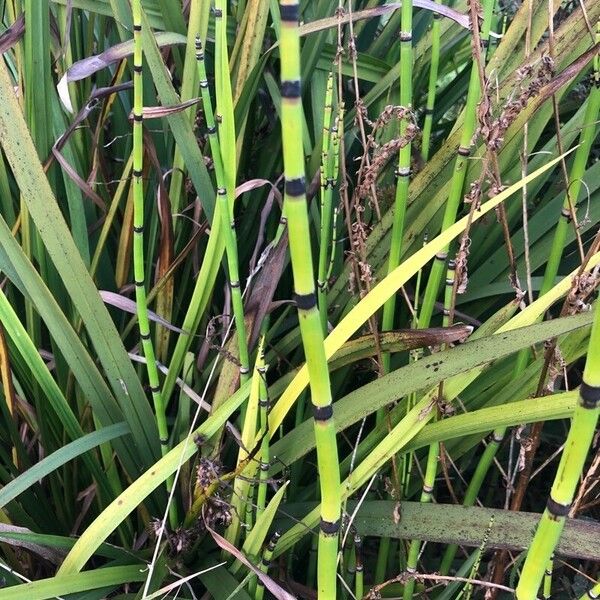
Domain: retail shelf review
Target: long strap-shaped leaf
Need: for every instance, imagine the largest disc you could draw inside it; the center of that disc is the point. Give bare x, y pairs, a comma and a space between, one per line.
379, 294
43, 208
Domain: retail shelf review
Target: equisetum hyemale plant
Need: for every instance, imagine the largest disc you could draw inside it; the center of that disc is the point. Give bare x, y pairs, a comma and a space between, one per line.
577, 446
139, 271
227, 223
306, 300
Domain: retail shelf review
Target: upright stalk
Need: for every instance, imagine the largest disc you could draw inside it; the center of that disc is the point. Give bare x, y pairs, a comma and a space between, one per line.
459, 174
571, 465
138, 243
227, 224
403, 170
433, 75
586, 138
306, 300
592, 594
327, 185
434, 451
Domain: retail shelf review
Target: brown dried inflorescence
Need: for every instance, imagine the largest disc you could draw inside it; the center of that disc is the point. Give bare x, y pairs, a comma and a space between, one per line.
530, 82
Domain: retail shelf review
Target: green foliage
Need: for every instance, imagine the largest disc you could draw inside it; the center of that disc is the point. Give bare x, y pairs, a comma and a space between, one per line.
504, 181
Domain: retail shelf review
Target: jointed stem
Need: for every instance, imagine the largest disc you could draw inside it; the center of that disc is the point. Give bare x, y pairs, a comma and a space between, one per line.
227, 225
138, 242
308, 314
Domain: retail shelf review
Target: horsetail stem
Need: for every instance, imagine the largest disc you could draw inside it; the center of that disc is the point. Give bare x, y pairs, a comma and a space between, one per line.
558, 243
327, 184
304, 287
582, 153
138, 243
571, 465
434, 450
227, 224
403, 171
547, 590
431, 89
359, 586
265, 563
592, 594
459, 173
263, 404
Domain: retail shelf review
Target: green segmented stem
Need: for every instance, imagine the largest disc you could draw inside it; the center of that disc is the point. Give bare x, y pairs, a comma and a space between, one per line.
431, 89
227, 224
138, 243
359, 582
403, 170
547, 591
592, 594
327, 184
582, 153
458, 175
265, 563
263, 405
304, 287
571, 465
586, 138
434, 450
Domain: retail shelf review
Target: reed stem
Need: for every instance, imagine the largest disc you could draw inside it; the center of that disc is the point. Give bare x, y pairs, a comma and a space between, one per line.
306, 301
138, 244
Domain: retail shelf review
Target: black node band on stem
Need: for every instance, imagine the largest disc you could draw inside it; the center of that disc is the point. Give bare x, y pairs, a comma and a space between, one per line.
139, 283
137, 172
217, 12
405, 36
329, 528
305, 301
289, 12
295, 187
234, 284
441, 256
204, 83
211, 130
322, 413
164, 442
556, 509
462, 151
145, 336
137, 68
589, 395
138, 229
428, 111
155, 389
139, 118
290, 89
137, 27
222, 192
402, 172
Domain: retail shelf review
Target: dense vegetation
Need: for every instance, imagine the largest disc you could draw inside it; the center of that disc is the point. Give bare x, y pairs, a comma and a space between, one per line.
298, 300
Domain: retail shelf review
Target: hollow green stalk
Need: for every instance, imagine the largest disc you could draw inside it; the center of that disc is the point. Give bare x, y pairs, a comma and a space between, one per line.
227, 225
547, 591
403, 171
592, 594
265, 563
586, 138
359, 584
138, 243
434, 452
327, 184
458, 175
571, 465
263, 404
304, 287
431, 89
